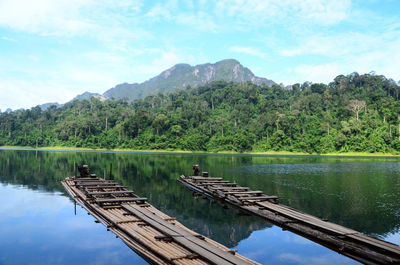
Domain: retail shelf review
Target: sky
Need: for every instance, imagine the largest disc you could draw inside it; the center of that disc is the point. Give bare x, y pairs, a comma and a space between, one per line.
53, 50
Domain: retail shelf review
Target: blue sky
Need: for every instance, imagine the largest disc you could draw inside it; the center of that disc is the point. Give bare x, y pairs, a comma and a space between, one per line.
52, 50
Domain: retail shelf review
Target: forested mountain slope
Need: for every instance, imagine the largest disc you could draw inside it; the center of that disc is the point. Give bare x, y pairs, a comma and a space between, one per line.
352, 113
181, 76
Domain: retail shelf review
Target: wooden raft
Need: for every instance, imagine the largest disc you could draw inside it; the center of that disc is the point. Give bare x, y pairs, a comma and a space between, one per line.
155, 236
343, 240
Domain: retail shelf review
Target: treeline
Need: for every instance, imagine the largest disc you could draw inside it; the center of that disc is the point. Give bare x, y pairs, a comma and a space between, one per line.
353, 113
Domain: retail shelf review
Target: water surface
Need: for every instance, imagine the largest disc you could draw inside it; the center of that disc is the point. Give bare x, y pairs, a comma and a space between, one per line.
38, 224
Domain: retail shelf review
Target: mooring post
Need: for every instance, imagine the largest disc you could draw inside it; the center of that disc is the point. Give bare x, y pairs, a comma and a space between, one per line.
74, 207
75, 169
110, 171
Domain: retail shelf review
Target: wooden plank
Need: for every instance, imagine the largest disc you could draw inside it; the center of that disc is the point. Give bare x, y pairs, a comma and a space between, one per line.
121, 200
258, 198
212, 181
94, 180
186, 236
219, 184
227, 188
88, 179
199, 178
188, 240
244, 192
142, 238
341, 239
110, 192
95, 183
102, 186
372, 241
306, 218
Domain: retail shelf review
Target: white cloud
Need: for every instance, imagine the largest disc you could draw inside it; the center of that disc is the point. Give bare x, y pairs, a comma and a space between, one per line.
159, 11
374, 49
195, 19
33, 58
334, 44
323, 73
8, 39
200, 20
269, 11
165, 61
64, 17
323, 11
247, 50
44, 16
383, 60
17, 94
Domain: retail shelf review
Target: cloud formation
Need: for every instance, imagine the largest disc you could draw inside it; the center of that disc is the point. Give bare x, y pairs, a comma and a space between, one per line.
247, 50
272, 11
72, 46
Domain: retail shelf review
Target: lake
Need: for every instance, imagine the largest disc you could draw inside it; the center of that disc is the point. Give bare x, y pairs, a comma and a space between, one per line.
39, 224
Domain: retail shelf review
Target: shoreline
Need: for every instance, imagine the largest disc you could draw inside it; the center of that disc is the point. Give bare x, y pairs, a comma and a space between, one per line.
267, 153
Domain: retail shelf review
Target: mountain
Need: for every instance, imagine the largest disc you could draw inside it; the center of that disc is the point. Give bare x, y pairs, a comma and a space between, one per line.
88, 95
181, 76
45, 106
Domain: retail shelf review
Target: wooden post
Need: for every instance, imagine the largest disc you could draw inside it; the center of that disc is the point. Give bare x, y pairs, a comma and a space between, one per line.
76, 173
110, 170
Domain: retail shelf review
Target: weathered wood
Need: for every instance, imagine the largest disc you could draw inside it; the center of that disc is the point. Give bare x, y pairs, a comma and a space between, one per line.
121, 200
258, 198
157, 237
219, 184
196, 245
110, 192
244, 192
212, 181
346, 241
86, 184
199, 178
102, 186
228, 188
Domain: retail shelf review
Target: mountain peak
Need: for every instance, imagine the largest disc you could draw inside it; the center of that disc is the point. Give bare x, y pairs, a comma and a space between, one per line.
182, 75
88, 95
228, 62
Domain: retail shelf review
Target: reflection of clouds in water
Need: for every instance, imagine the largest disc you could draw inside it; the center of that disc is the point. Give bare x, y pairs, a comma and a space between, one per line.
44, 229
294, 239
18, 201
284, 247
393, 237
290, 258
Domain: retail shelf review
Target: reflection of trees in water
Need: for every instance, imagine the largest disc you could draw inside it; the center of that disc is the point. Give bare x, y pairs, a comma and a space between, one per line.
363, 196
152, 176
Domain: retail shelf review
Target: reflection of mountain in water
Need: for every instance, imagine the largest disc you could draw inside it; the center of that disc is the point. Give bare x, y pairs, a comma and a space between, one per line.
360, 194
208, 218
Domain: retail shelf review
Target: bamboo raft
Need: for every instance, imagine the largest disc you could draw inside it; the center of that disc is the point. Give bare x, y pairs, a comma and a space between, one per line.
343, 240
152, 234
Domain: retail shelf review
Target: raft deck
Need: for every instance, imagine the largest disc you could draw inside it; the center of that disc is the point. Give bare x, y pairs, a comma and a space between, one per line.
152, 234
343, 240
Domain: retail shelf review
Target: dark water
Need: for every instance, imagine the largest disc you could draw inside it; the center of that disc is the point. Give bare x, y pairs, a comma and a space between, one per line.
38, 224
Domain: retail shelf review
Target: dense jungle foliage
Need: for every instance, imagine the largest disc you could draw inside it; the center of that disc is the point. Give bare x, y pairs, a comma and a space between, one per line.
358, 113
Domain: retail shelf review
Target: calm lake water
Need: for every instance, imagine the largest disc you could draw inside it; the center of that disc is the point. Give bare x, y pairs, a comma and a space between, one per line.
38, 224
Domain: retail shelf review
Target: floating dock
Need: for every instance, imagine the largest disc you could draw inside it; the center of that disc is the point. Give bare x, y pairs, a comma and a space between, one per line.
152, 234
343, 240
